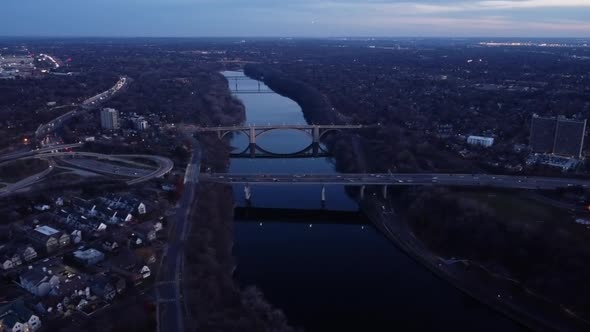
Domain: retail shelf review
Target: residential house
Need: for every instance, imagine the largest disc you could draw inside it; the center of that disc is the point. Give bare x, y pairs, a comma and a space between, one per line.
27, 253
103, 287
10, 261
48, 239
16, 317
42, 278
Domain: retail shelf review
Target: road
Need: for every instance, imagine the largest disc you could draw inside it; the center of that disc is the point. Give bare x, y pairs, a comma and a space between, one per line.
27, 182
140, 175
165, 165
105, 167
88, 104
431, 179
22, 154
170, 303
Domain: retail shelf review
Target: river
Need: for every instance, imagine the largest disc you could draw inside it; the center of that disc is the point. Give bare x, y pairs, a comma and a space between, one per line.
334, 277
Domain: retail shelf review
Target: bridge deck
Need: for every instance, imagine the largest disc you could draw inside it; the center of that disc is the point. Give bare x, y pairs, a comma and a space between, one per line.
469, 180
267, 127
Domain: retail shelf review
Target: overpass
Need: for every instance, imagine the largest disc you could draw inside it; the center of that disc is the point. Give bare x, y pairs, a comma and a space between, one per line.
165, 165
400, 179
253, 132
23, 154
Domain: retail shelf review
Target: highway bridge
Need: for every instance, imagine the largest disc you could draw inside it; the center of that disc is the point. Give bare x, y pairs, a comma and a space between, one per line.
316, 132
23, 154
399, 179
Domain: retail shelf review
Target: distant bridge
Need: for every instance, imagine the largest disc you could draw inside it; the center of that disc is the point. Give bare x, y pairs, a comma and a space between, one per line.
260, 89
316, 132
314, 150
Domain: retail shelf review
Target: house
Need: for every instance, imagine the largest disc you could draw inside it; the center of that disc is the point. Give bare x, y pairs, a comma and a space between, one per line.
42, 207
10, 261
16, 317
27, 253
103, 287
48, 239
109, 245
141, 208
148, 230
42, 278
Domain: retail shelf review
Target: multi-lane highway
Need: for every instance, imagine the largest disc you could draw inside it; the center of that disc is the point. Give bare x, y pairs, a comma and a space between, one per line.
399, 179
27, 182
23, 154
89, 103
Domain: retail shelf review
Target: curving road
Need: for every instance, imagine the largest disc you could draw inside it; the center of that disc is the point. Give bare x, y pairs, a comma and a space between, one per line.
165, 165
23, 154
27, 182
467, 180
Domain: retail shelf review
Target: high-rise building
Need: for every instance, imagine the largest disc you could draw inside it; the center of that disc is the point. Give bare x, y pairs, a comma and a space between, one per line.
543, 134
569, 138
558, 136
109, 119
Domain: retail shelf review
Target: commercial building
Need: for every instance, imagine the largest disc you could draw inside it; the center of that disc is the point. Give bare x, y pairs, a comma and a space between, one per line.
479, 140
89, 256
109, 119
559, 136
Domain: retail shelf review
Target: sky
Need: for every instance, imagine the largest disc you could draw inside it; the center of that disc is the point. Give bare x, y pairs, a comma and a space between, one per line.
296, 18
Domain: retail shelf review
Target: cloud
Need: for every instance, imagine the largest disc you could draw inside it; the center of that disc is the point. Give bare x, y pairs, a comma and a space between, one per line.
295, 17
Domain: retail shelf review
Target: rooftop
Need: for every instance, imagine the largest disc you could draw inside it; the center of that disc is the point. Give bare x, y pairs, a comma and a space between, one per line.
46, 230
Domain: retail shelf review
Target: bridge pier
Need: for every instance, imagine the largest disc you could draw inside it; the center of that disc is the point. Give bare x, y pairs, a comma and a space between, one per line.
252, 149
252, 135
315, 149
323, 197
385, 192
316, 134
362, 193
248, 194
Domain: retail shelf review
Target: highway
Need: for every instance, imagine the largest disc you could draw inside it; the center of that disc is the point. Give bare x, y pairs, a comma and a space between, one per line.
27, 182
105, 167
140, 175
400, 179
165, 165
22, 154
170, 310
88, 104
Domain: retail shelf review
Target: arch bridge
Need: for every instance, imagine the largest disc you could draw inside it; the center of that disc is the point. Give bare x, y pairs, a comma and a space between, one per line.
253, 132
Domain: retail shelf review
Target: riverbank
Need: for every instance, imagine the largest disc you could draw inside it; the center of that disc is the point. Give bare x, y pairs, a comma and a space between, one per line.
213, 300
472, 280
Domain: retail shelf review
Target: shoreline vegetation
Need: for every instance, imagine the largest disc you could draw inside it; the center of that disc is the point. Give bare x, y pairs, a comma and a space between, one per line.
483, 281
214, 300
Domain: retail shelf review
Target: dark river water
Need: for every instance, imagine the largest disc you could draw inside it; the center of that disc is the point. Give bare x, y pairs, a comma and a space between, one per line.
334, 276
